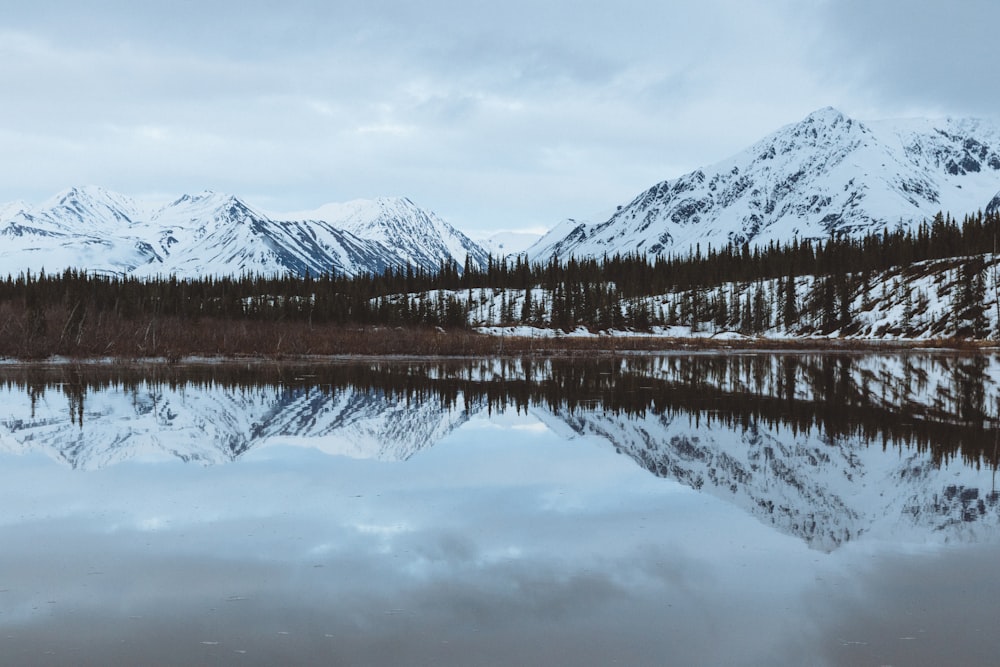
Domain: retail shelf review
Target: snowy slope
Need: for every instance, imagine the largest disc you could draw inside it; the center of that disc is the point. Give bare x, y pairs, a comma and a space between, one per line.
217, 234
420, 237
994, 206
505, 244
92, 207
10, 209
560, 241
86, 227
828, 174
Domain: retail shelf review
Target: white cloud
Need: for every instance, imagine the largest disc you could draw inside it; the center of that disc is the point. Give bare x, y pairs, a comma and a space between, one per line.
496, 115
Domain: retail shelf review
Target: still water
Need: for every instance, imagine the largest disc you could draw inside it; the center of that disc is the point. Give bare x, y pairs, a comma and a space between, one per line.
711, 509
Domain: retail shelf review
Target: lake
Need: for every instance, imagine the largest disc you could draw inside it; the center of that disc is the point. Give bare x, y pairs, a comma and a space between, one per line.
690, 509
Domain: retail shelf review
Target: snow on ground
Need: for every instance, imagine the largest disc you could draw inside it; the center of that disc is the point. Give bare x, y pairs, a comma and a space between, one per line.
917, 302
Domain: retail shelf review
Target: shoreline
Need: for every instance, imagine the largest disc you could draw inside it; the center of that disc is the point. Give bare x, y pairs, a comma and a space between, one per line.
423, 344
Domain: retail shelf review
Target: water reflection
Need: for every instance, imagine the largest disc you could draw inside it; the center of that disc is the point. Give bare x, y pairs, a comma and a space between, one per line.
947, 404
801, 509
825, 447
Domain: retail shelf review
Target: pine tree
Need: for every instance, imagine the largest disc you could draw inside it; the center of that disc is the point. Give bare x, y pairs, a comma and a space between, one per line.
789, 311
969, 303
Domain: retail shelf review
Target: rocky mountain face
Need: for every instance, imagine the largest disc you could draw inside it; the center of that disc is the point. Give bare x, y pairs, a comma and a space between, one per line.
417, 236
214, 234
994, 206
826, 175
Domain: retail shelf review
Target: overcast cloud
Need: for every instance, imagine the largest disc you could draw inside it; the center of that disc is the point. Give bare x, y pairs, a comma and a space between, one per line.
495, 115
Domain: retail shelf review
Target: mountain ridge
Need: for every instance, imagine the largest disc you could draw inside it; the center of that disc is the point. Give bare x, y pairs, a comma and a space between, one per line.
826, 175
397, 223
215, 234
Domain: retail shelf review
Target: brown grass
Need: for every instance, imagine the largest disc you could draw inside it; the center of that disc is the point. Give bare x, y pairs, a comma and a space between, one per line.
55, 333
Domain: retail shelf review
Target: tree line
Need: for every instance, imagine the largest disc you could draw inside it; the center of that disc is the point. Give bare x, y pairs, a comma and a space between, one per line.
736, 286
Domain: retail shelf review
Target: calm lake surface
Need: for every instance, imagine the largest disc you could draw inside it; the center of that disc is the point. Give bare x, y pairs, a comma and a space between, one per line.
708, 509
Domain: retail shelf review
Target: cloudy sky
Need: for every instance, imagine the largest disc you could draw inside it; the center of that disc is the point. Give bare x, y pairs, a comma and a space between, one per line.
496, 115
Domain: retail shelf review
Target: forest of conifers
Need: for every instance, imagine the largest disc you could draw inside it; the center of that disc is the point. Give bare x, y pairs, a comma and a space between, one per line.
605, 294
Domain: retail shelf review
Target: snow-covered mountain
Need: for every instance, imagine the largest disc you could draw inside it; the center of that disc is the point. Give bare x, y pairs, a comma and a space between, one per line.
419, 237
216, 234
505, 244
80, 228
213, 234
10, 209
828, 174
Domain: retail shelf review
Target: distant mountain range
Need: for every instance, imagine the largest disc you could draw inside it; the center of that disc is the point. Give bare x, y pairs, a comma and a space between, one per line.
826, 175
505, 244
215, 234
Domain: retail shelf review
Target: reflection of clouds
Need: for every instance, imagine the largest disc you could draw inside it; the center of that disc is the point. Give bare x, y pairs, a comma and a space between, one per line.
521, 550
904, 608
152, 524
383, 531
591, 584
827, 493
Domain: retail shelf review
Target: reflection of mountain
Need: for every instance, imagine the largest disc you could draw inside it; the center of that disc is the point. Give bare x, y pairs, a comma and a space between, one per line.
823, 447
826, 491
216, 425
357, 424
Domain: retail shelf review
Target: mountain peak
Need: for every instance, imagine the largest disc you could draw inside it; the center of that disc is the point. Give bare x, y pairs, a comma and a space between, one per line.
826, 115
11, 209
84, 193
208, 204
89, 205
419, 236
826, 174
92, 191
202, 197
214, 233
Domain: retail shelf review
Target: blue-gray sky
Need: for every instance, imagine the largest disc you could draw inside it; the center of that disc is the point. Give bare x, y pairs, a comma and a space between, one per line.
496, 115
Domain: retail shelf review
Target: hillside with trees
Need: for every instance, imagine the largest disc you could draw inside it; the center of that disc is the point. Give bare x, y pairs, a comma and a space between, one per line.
935, 282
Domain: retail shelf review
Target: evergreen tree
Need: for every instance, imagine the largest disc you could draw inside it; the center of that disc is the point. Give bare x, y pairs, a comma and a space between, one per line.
969, 303
789, 311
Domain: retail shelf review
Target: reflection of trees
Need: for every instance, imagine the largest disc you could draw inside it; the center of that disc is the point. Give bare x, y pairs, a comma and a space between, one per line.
75, 389
969, 377
937, 402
